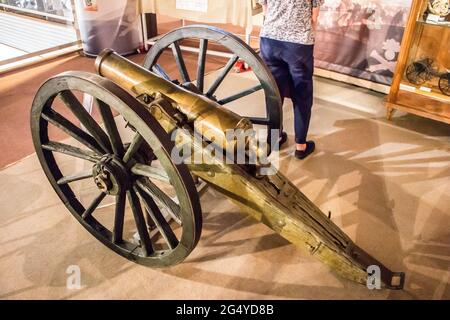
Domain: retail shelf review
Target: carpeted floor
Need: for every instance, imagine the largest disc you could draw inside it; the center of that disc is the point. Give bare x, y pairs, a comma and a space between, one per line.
386, 183
17, 90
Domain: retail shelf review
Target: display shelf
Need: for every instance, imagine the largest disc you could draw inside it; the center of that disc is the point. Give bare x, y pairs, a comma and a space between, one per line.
420, 84
439, 24
432, 93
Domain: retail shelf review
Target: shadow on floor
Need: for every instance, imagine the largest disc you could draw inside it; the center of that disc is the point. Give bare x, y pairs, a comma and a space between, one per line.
368, 189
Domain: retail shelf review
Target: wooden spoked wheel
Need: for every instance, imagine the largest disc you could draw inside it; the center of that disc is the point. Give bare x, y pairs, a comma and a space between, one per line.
155, 216
444, 83
238, 50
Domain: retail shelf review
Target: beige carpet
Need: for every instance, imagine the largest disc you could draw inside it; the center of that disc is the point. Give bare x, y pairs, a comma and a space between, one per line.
386, 183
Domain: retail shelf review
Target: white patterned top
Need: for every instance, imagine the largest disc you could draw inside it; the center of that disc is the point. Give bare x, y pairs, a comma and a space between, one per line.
289, 20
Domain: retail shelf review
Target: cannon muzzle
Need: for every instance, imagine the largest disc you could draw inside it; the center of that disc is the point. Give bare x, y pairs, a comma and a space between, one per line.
271, 199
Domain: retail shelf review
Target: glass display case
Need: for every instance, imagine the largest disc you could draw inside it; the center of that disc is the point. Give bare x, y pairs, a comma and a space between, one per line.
421, 81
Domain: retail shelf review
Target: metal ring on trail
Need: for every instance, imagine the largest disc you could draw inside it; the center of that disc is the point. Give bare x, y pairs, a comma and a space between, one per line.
239, 51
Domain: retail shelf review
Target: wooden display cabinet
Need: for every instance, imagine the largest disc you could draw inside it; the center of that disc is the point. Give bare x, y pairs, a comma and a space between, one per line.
421, 81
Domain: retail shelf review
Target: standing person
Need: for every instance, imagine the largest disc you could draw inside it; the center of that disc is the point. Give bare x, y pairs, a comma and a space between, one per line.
287, 47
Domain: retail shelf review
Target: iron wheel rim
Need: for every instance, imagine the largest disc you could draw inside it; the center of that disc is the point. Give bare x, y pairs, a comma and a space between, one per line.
153, 134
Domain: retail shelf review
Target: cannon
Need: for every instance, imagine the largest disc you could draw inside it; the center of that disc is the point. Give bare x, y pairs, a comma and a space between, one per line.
155, 143
420, 71
444, 83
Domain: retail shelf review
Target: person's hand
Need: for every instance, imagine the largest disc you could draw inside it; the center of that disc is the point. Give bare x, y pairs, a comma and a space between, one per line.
264, 7
315, 17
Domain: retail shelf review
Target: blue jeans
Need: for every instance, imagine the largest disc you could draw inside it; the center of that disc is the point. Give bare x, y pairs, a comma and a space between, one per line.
292, 66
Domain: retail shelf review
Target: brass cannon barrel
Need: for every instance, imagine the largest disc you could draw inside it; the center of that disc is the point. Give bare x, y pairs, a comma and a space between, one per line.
209, 118
272, 199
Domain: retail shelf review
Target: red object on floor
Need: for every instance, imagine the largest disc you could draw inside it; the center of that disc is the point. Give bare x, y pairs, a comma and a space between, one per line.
241, 66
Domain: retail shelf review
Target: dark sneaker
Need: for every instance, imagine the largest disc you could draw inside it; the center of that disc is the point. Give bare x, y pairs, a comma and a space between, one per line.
310, 147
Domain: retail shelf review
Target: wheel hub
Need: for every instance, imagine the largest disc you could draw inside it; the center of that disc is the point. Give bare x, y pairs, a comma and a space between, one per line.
110, 175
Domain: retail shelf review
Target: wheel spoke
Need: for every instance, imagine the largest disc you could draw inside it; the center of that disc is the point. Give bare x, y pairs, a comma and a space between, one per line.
180, 62
68, 127
150, 172
71, 151
88, 212
157, 217
141, 226
133, 148
75, 177
86, 120
257, 120
111, 128
152, 190
222, 75
240, 95
119, 218
203, 48
150, 224
160, 71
